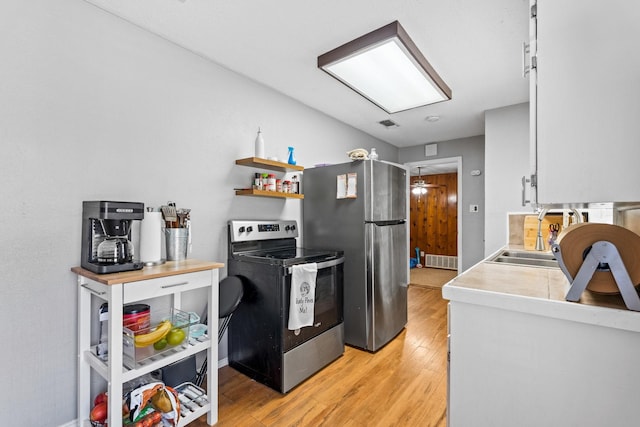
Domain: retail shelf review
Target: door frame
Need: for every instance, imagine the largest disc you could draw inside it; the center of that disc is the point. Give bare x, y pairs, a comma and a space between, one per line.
458, 161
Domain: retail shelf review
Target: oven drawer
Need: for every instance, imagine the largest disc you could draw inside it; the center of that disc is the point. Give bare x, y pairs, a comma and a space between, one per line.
135, 291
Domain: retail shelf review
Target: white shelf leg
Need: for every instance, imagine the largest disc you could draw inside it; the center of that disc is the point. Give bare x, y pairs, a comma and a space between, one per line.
212, 351
114, 386
84, 342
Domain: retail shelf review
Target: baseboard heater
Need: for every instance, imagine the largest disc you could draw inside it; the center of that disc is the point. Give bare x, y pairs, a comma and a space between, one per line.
441, 261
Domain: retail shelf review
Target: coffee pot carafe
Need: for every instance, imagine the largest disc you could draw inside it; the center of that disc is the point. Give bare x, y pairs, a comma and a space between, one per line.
116, 247
106, 236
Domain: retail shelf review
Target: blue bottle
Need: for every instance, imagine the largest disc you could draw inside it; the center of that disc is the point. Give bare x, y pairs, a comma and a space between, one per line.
292, 160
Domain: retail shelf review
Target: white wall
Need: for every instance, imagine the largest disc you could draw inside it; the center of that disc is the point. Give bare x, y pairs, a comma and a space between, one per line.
506, 160
472, 152
94, 108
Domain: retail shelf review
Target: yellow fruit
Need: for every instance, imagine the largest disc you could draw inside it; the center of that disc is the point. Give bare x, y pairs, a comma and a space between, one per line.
161, 402
157, 334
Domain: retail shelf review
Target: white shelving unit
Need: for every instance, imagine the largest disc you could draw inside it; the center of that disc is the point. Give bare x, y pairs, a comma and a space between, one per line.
172, 278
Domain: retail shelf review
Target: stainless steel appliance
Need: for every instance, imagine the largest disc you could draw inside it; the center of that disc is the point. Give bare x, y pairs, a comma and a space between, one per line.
262, 254
106, 236
368, 222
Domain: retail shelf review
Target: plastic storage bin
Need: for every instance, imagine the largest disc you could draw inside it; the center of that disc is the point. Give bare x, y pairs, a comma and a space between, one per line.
134, 357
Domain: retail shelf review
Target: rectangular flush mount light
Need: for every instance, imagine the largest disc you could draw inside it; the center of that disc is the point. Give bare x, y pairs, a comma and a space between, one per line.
386, 67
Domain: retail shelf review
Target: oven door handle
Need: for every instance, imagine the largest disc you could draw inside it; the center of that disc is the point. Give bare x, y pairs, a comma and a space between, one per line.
326, 264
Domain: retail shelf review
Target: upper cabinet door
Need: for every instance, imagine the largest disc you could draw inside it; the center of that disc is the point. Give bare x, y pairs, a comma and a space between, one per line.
586, 101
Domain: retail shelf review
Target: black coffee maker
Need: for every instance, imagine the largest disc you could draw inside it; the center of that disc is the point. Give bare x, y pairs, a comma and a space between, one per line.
106, 236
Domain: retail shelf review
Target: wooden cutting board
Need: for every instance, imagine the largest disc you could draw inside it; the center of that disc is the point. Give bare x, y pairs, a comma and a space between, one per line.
531, 230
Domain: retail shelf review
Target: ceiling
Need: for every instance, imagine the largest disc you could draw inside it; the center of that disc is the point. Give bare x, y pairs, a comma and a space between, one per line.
475, 46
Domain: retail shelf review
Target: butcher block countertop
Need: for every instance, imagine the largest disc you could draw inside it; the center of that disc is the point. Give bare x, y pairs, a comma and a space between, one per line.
169, 268
539, 291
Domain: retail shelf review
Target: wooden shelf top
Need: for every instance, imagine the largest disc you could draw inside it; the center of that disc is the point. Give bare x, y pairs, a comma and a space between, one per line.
256, 162
169, 268
262, 193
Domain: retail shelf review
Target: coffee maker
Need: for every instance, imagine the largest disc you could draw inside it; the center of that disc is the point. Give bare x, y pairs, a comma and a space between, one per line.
106, 236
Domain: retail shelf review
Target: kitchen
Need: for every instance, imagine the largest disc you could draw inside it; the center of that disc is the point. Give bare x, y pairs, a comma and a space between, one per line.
95, 108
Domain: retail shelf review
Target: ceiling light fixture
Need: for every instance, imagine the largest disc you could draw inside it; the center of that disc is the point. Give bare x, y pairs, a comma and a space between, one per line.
386, 67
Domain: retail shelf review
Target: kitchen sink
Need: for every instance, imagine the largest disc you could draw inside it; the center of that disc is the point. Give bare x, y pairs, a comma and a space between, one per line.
530, 258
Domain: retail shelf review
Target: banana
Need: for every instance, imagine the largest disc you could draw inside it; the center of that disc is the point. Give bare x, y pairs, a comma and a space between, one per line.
157, 334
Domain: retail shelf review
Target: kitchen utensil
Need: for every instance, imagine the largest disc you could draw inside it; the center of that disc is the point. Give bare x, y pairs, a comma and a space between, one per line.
183, 216
170, 215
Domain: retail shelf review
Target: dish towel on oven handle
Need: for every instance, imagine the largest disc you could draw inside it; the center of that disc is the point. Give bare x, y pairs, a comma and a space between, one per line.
303, 295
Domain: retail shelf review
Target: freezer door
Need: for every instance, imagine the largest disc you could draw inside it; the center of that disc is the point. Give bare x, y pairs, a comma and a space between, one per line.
387, 282
386, 190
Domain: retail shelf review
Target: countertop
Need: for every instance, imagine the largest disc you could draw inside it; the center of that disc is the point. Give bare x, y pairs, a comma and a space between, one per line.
537, 290
169, 268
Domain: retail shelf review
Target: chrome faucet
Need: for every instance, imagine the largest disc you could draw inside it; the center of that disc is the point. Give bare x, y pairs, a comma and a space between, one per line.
543, 212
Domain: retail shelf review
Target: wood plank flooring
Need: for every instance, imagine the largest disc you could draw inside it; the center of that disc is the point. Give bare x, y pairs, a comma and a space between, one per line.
431, 277
403, 384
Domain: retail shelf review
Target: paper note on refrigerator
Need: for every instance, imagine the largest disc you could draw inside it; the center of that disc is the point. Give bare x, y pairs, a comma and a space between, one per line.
341, 186
346, 186
352, 189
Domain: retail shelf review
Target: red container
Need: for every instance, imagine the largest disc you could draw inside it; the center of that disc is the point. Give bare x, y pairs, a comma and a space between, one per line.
136, 317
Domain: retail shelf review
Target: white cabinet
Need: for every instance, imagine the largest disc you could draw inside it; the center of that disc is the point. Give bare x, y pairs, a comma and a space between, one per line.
585, 100
172, 278
520, 355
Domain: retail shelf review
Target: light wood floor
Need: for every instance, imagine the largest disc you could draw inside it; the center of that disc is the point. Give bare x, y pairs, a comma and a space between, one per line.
431, 277
403, 384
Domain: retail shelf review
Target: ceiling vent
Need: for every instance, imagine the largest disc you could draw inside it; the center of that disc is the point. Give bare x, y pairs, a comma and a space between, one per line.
388, 123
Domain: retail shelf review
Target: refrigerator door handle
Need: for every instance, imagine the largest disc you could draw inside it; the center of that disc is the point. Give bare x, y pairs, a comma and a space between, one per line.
388, 222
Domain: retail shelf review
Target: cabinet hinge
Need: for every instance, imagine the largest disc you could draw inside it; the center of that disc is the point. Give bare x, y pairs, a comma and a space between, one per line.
534, 180
534, 62
534, 11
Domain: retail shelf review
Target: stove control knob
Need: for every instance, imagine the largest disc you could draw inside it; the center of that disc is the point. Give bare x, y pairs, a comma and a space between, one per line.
249, 229
241, 230
287, 228
293, 227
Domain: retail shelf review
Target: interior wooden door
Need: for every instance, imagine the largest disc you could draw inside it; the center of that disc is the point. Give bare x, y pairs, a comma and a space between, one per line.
434, 216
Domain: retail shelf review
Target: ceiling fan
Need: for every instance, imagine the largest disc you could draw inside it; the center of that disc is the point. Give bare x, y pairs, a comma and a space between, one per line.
419, 186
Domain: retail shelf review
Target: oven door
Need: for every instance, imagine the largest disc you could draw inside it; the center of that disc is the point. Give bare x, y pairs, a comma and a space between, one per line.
327, 310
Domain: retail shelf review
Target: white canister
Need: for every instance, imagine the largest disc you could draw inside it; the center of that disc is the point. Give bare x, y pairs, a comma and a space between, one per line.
259, 145
151, 238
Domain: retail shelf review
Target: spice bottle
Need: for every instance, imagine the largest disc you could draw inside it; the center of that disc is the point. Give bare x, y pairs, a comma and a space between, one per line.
295, 184
257, 181
271, 183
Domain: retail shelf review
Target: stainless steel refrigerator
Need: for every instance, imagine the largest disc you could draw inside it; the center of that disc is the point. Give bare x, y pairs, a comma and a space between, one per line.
360, 208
